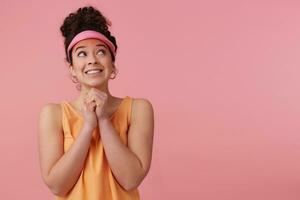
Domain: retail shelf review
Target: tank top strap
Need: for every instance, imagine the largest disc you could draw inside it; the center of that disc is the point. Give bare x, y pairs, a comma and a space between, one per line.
129, 109
123, 113
66, 115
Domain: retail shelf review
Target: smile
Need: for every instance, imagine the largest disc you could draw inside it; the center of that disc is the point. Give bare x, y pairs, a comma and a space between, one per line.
94, 71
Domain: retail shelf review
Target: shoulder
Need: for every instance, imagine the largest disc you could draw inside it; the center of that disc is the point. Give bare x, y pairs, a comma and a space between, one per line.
51, 108
141, 107
141, 104
51, 111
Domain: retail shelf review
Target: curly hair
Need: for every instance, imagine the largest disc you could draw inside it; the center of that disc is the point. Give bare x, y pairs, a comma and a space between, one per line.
86, 18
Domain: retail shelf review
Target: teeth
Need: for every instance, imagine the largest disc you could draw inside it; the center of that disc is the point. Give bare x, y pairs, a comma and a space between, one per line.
93, 71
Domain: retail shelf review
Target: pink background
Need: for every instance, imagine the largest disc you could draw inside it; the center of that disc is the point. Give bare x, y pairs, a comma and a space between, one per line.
223, 77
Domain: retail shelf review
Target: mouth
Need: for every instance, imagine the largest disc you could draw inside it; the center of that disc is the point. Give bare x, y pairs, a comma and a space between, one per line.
93, 71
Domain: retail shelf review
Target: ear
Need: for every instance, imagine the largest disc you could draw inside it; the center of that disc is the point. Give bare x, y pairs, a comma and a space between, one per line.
71, 69
114, 67
66, 62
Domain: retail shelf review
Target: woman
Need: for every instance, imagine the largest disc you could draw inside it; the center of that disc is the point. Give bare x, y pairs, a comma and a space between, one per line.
98, 146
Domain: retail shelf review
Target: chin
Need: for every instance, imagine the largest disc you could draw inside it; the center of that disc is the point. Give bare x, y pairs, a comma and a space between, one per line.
95, 83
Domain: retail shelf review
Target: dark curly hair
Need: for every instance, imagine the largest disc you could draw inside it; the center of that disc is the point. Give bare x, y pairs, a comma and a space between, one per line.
86, 18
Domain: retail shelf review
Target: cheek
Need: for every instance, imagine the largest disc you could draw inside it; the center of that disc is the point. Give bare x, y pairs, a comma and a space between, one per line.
77, 61
78, 70
78, 64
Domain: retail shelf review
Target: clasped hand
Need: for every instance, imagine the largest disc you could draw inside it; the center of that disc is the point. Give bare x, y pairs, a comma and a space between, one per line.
95, 106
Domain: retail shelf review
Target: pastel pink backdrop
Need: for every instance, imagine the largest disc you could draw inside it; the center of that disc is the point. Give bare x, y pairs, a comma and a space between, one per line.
223, 77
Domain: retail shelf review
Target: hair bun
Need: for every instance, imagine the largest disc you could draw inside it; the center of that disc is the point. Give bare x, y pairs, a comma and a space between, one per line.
85, 18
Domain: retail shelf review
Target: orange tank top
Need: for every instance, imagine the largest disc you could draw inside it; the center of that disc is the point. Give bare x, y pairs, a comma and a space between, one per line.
96, 181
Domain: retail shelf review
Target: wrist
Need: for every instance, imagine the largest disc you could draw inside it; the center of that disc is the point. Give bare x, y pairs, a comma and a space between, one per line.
103, 119
88, 127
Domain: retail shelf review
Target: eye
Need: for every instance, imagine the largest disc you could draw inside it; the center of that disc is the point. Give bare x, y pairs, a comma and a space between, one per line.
102, 51
81, 53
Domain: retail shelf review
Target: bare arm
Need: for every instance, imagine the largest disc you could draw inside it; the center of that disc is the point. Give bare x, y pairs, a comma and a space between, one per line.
130, 164
60, 170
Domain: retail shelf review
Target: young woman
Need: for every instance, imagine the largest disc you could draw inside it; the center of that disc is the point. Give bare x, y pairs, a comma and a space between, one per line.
98, 146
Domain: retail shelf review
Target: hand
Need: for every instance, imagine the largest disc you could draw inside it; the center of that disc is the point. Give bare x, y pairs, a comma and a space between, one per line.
90, 117
100, 99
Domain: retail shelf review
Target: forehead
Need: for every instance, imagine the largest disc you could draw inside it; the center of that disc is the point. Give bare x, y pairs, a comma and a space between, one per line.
91, 42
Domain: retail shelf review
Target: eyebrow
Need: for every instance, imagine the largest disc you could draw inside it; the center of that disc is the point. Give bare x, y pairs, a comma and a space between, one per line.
98, 45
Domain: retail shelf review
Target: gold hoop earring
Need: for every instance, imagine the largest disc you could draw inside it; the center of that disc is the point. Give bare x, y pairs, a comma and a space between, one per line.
114, 73
78, 86
74, 79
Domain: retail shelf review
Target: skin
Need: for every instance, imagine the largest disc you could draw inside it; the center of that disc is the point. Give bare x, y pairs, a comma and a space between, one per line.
129, 164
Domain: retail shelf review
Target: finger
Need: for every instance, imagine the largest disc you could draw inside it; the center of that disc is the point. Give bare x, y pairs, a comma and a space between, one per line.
91, 106
94, 91
101, 94
96, 98
99, 101
89, 94
84, 106
89, 99
100, 98
99, 104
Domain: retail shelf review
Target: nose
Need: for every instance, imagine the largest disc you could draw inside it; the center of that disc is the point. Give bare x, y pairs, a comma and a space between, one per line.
92, 59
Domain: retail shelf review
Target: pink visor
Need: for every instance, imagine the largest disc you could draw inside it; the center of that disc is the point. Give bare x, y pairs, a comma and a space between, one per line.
91, 34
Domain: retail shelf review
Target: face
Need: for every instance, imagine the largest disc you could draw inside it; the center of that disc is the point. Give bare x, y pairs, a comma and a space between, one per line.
92, 63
